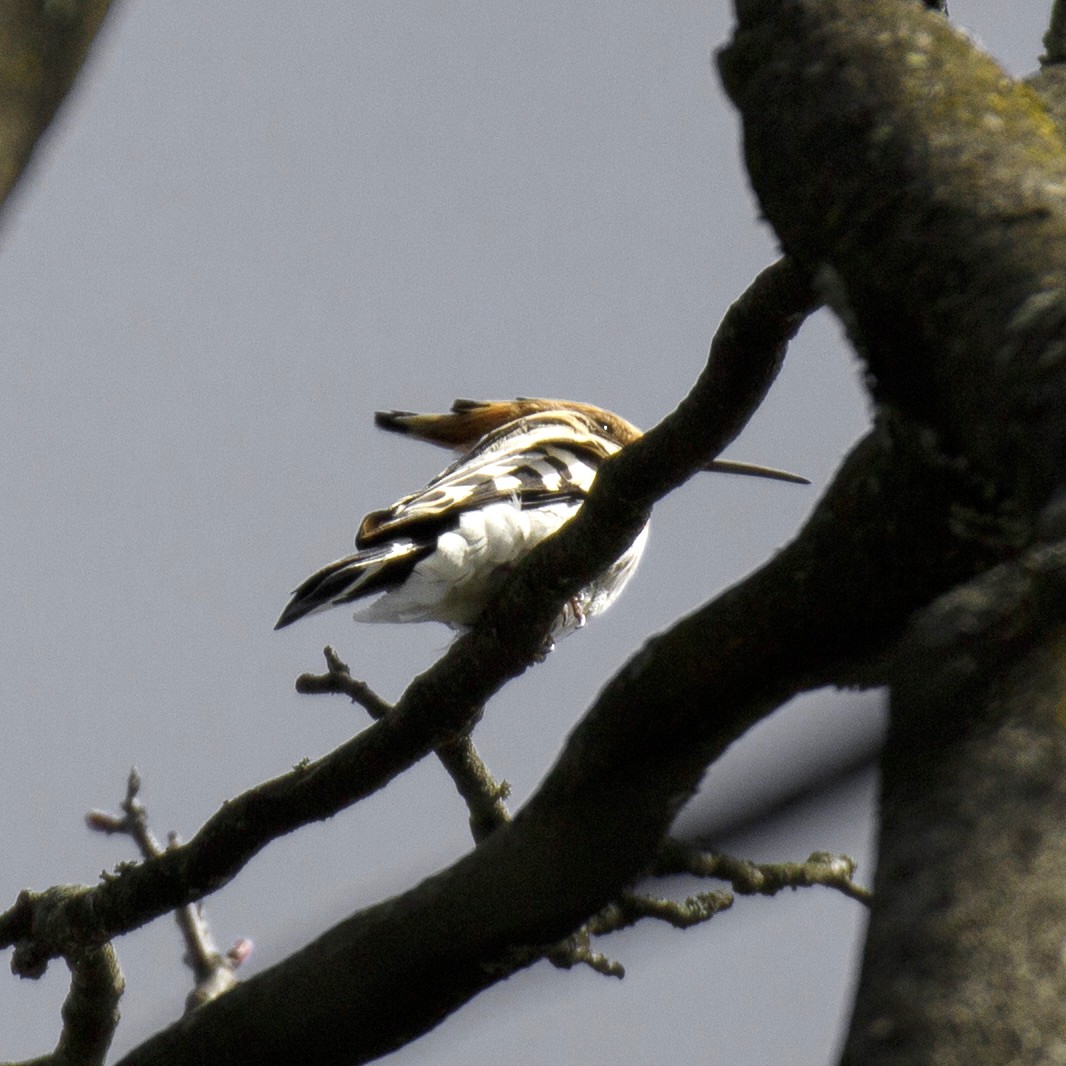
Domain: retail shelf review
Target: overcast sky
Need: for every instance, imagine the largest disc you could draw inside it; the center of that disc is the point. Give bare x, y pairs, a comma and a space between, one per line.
253, 225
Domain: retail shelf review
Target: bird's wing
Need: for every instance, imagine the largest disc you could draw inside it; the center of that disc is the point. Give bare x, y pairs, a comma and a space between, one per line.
546, 457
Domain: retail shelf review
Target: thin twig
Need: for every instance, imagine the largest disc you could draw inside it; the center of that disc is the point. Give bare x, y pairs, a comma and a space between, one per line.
576, 950
214, 972
483, 794
338, 679
625, 911
746, 878
766, 879
680, 913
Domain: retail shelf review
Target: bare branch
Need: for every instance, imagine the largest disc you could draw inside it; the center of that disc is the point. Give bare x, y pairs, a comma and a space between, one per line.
483, 794
597, 821
627, 910
576, 950
90, 1011
42, 48
214, 972
766, 879
675, 857
681, 914
745, 356
338, 679
1055, 38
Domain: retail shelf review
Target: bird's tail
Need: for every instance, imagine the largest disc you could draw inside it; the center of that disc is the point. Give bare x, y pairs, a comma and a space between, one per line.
371, 570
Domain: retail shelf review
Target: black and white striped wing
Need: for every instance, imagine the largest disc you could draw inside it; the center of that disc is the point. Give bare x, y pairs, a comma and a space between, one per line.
544, 459
531, 469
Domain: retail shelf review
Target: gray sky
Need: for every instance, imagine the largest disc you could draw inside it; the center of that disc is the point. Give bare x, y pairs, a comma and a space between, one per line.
253, 225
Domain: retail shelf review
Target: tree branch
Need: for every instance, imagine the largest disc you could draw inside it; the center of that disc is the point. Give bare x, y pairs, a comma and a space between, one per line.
214, 971
765, 879
90, 1011
945, 254
945, 250
1055, 38
963, 960
885, 534
442, 702
42, 48
483, 794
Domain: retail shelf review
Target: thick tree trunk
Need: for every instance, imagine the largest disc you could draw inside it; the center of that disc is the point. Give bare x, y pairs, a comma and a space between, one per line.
964, 958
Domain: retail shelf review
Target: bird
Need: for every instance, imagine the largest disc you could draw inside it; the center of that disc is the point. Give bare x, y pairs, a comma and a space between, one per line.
440, 554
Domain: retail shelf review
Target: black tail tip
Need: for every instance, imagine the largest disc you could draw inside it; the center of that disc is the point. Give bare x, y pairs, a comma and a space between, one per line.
393, 420
292, 613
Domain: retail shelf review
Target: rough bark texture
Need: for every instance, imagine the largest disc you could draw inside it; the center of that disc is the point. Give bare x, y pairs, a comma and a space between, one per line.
925, 191
964, 957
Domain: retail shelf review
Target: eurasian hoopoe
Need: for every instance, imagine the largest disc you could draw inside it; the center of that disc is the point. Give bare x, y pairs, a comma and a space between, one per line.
440, 554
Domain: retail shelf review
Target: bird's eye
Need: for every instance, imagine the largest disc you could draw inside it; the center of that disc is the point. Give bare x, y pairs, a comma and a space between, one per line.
605, 426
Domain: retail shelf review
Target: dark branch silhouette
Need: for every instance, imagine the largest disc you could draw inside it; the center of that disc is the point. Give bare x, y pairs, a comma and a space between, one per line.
945, 255
42, 49
919, 191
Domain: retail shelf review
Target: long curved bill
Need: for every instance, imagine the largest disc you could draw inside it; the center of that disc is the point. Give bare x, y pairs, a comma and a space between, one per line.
730, 466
